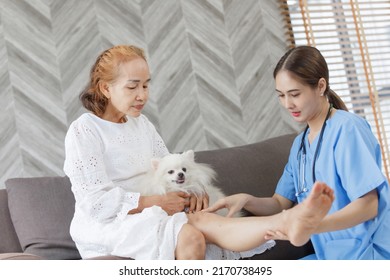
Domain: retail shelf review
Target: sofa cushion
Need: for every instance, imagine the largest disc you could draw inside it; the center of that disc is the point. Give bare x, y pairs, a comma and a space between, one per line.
8, 239
41, 210
253, 168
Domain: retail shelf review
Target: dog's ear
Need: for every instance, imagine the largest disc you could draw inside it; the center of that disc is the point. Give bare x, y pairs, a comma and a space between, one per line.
155, 162
190, 155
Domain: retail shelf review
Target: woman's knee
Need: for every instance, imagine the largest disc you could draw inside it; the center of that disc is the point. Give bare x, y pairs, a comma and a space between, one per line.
191, 243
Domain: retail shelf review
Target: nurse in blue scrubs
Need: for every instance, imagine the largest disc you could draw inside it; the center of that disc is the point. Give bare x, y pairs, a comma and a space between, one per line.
337, 148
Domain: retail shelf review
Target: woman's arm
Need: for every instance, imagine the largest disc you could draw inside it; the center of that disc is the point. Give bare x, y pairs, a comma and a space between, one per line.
265, 206
171, 203
259, 206
358, 173
358, 211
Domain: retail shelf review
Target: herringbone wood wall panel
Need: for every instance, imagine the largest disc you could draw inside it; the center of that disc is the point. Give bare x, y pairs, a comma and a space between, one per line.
211, 63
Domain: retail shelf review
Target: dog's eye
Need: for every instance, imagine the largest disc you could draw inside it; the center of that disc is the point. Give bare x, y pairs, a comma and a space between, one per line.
170, 172
184, 169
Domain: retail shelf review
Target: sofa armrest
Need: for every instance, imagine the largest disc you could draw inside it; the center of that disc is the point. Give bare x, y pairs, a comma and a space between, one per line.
9, 241
19, 256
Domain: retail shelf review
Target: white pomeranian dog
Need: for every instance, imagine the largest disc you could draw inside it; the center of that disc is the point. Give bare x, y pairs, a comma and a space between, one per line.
180, 172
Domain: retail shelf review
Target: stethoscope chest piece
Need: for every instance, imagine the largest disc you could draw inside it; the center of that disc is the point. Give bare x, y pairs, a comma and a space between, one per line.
303, 190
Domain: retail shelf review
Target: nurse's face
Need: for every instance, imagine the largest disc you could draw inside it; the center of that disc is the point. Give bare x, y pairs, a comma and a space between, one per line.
129, 93
301, 100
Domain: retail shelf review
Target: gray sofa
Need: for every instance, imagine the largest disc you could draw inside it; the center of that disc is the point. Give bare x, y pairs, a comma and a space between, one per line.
35, 213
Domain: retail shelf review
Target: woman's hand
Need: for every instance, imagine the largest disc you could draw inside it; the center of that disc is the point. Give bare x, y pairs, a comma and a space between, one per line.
174, 202
233, 203
171, 203
198, 202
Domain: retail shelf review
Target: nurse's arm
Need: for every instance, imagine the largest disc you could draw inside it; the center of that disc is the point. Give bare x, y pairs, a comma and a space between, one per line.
265, 206
358, 211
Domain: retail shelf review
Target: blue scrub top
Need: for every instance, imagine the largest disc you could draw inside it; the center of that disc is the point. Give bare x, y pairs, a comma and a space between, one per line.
349, 161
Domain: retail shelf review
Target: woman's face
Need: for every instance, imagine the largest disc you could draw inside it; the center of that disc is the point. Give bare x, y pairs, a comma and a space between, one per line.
129, 93
303, 102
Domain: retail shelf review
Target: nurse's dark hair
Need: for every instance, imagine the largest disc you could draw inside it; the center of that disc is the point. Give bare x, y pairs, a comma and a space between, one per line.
105, 71
309, 66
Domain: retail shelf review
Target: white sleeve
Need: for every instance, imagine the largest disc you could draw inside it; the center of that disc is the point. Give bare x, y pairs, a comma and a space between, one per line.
94, 192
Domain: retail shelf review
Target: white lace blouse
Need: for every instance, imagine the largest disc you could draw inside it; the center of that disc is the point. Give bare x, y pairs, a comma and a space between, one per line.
104, 160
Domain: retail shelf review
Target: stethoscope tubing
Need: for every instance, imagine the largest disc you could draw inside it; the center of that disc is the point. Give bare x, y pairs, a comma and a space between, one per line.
302, 152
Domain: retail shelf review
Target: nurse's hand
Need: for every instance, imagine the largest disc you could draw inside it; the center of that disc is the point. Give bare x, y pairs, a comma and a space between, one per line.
234, 203
198, 202
275, 235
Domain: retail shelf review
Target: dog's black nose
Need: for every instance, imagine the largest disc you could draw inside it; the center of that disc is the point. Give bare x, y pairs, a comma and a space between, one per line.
180, 175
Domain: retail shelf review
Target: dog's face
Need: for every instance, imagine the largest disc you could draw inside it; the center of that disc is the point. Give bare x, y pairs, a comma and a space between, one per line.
174, 170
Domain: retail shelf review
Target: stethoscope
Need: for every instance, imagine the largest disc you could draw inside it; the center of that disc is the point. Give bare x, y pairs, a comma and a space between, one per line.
302, 153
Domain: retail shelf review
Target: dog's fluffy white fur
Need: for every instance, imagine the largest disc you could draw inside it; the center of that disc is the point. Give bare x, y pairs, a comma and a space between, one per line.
180, 172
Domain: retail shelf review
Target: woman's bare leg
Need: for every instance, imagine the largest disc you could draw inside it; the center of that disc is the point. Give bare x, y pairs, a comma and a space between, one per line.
191, 244
241, 234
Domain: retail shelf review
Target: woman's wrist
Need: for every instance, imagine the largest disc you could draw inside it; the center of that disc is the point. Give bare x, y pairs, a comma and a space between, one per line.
144, 202
149, 201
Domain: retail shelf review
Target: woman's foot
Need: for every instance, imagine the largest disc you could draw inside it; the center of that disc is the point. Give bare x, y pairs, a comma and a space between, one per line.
302, 220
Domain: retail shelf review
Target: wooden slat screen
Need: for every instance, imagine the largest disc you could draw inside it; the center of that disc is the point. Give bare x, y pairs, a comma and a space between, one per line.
354, 37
